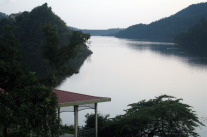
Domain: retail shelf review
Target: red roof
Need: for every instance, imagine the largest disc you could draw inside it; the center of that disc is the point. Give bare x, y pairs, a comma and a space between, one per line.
66, 98
70, 97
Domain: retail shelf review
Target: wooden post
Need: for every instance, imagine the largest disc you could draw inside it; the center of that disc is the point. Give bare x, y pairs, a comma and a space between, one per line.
96, 120
76, 120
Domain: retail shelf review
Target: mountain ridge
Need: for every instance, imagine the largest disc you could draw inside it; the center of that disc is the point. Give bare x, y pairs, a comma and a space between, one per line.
167, 28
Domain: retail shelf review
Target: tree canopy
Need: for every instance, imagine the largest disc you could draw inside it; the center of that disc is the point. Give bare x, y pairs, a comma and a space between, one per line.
2, 16
90, 120
163, 116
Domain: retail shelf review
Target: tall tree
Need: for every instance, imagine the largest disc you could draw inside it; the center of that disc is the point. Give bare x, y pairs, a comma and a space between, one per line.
26, 105
163, 116
10, 68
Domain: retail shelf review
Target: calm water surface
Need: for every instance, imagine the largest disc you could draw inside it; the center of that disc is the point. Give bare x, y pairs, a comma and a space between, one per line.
130, 71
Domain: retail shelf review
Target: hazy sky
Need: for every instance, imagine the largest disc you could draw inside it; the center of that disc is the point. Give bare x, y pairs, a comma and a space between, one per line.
102, 14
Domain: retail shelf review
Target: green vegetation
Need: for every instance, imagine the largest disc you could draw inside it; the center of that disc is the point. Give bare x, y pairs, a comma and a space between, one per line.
29, 32
68, 129
163, 116
195, 39
28, 105
90, 118
2, 16
167, 28
57, 56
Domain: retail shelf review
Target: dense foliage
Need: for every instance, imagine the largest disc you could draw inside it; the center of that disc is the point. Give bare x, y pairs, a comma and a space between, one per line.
162, 116
2, 16
68, 129
29, 32
90, 120
28, 104
57, 56
195, 38
167, 28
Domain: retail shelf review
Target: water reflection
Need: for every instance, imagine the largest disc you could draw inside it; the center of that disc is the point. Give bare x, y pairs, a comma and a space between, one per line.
193, 57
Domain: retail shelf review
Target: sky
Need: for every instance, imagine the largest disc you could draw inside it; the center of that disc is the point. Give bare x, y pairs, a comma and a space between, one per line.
102, 14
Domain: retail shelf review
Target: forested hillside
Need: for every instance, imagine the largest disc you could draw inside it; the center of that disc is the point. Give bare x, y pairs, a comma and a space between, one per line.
28, 30
167, 28
195, 39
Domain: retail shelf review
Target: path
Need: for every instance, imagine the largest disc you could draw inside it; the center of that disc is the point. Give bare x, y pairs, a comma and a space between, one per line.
67, 135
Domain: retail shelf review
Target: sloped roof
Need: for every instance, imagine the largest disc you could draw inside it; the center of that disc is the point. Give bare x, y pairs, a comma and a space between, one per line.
66, 98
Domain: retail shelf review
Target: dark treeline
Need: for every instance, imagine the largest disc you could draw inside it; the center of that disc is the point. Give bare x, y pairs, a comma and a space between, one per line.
195, 39
99, 32
108, 32
167, 28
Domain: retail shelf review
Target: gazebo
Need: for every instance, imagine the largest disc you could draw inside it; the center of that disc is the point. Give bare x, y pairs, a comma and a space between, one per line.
74, 102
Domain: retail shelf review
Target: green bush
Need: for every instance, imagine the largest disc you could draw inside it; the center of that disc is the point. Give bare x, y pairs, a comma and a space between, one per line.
68, 129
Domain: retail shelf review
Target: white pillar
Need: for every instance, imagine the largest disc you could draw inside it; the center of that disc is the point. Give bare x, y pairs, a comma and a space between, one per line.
96, 119
58, 113
76, 120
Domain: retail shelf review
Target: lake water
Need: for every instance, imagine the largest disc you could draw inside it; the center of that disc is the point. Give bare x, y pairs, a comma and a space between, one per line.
129, 71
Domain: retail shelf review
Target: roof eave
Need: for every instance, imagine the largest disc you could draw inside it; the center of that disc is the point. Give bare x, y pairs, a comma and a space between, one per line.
84, 102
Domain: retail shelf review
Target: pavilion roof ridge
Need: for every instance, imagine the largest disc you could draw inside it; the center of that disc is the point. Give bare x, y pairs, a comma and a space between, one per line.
66, 98
78, 93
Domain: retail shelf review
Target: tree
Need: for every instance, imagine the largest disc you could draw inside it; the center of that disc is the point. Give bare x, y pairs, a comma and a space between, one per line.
26, 105
57, 56
90, 120
54, 53
163, 116
10, 68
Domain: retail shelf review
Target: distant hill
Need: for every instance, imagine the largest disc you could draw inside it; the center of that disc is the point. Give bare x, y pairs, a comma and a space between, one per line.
108, 32
101, 32
2, 16
28, 30
167, 28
